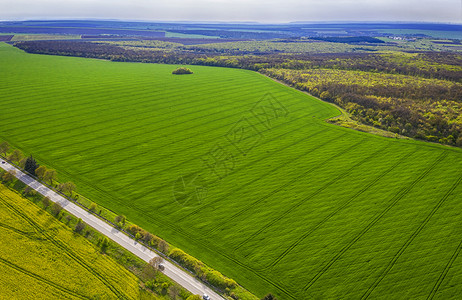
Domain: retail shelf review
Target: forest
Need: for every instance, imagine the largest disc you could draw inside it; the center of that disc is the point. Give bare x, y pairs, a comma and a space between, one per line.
415, 94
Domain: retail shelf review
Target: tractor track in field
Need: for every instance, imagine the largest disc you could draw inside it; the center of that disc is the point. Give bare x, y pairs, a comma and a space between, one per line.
160, 221
142, 102
336, 211
169, 168
48, 108
393, 202
164, 219
134, 166
411, 239
27, 234
149, 176
60, 245
292, 160
221, 252
134, 136
137, 120
42, 279
313, 194
445, 272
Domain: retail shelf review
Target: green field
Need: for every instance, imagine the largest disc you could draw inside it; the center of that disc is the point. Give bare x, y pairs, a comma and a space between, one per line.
274, 197
40, 258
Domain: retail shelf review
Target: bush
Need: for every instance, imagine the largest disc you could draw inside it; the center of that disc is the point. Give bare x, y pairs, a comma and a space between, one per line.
217, 279
182, 70
163, 246
92, 207
120, 219
80, 226
28, 191
46, 202
187, 260
134, 229
269, 297
147, 237
119, 225
68, 218
9, 176
56, 208
104, 243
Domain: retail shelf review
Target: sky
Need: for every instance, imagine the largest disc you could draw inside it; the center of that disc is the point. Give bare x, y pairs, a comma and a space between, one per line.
265, 11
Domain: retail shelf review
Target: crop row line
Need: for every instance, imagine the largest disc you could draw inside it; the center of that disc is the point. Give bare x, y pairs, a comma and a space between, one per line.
393, 202
28, 234
41, 279
149, 176
445, 272
103, 192
80, 91
138, 119
340, 208
135, 136
56, 242
289, 162
104, 105
44, 108
411, 239
134, 92
282, 215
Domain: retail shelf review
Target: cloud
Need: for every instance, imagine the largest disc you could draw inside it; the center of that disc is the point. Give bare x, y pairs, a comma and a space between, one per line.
238, 10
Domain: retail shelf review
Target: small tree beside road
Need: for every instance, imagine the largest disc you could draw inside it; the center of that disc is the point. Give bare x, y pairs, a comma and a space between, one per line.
50, 175
4, 148
155, 262
56, 208
67, 187
9, 176
30, 165
40, 172
16, 156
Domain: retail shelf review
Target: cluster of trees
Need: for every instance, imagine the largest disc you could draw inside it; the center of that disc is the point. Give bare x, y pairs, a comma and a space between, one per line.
182, 70
9, 176
350, 39
148, 238
415, 107
207, 274
30, 165
202, 271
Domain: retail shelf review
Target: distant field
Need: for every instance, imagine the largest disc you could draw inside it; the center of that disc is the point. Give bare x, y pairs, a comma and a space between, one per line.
6, 37
36, 37
432, 33
259, 187
188, 36
40, 258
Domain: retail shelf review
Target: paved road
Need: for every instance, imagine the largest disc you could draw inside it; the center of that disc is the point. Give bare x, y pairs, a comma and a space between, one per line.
183, 278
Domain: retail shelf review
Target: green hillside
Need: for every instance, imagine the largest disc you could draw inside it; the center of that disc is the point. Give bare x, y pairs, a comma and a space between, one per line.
244, 174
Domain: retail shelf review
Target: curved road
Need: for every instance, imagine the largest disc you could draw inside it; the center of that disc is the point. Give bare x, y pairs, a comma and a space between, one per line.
180, 276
